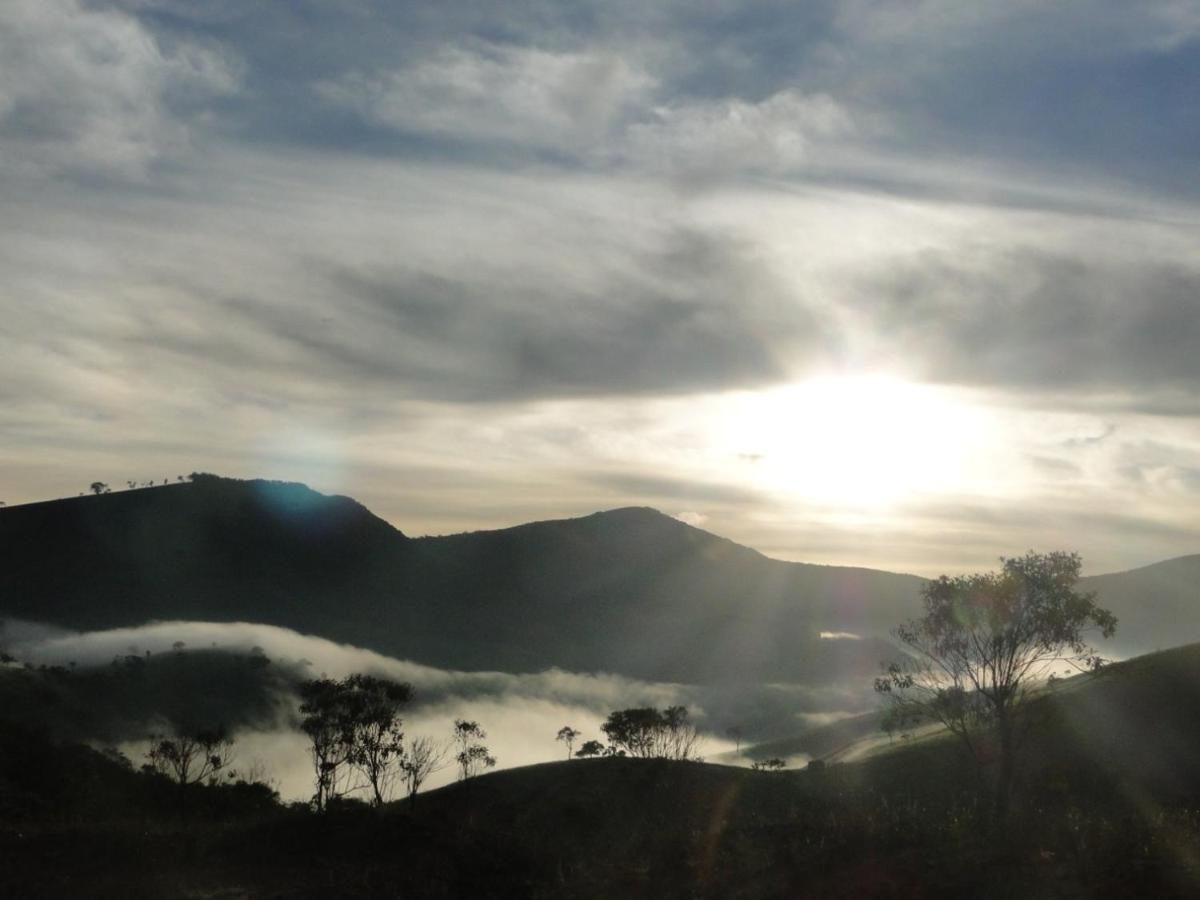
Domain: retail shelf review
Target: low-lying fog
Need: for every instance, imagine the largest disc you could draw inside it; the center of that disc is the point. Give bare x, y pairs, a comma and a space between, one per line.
521, 713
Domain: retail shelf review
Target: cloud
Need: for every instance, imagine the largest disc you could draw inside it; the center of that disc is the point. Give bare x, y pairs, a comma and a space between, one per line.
1035, 320
595, 107
711, 138
90, 91
521, 96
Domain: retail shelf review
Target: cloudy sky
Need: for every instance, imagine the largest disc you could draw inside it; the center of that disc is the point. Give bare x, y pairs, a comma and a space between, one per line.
901, 283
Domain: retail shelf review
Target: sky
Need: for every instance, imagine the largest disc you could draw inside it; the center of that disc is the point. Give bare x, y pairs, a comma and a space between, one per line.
909, 284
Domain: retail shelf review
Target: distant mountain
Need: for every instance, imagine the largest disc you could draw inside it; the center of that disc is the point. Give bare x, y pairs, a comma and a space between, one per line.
629, 591
1157, 606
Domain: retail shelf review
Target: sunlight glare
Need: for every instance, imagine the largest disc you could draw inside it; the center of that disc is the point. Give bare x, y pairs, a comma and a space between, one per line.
862, 441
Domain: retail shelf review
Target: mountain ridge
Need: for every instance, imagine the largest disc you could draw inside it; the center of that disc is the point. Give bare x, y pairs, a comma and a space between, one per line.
631, 590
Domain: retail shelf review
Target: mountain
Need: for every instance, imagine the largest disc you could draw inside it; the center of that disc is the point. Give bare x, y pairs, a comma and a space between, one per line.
1157, 606
630, 591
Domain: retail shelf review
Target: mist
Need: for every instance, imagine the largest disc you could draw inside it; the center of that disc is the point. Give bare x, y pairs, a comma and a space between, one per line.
521, 713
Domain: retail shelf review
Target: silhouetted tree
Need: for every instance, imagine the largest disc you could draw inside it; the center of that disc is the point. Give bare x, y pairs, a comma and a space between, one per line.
330, 736
193, 758
567, 735
98, 487
353, 726
423, 757
649, 733
376, 737
984, 641
590, 748
472, 755
774, 764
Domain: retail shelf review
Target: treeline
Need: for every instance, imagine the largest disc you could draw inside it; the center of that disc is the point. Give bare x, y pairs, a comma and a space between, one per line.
641, 732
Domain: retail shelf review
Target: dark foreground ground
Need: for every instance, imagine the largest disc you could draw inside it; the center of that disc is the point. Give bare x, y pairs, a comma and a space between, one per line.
1108, 805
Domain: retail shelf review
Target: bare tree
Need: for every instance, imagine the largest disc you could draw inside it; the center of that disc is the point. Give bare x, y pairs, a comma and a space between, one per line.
423, 757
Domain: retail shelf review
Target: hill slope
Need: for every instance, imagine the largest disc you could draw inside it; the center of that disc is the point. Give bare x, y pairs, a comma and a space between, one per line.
1105, 806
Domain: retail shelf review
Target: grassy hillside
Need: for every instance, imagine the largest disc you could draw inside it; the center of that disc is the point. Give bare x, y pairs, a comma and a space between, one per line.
1108, 805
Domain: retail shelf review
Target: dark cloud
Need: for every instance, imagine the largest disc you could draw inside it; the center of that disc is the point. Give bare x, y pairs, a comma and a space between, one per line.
700, 313
1032, 320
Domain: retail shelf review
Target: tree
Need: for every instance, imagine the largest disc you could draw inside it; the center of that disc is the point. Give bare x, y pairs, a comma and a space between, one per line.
376, 738
330, 738
193, 758
472, 754
98, 487
354, 728
424, 757
590, 748
567, 735
774, 764
984, 642
649, 733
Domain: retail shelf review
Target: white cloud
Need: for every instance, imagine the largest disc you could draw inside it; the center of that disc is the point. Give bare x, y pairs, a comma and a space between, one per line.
518, 95
595, 106
773, 135
91, 91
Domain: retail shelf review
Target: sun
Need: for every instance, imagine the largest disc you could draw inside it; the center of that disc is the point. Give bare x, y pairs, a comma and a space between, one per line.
858, 441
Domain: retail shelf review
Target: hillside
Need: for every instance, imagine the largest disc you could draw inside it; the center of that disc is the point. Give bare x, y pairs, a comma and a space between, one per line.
1158, 606
1105, 806
630, 591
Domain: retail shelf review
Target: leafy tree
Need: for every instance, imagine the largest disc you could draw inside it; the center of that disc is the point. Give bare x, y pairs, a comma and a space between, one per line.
567, 735
330, 735
98, 487
193, 758
590, 748
649, 733
354, 728
377, 741
984, 642
472, 755
423, 757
